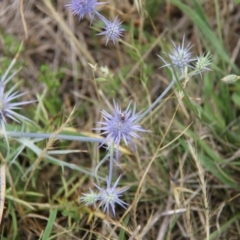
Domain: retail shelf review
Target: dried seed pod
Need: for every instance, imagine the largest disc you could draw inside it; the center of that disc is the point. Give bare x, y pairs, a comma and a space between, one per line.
231, 78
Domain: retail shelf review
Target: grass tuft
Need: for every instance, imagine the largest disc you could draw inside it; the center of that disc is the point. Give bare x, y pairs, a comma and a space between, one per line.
181, 180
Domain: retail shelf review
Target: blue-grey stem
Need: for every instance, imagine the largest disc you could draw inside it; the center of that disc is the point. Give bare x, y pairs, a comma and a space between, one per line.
98, 166
111, 164
153, 105
58, 136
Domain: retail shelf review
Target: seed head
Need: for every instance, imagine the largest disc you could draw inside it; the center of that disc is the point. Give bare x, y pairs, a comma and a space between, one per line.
120, 125
110, 196
231, 78
89, 198
180, 57
113, 30
202, 64
83, 7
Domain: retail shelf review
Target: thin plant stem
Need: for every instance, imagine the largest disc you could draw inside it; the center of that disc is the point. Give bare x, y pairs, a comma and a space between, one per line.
171, 84
148, 110
111, 164
98, 166
49, 135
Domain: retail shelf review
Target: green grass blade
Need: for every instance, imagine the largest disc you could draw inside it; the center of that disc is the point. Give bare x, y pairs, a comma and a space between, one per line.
215, 234
211, 161
50, 224
206, 31
123, 231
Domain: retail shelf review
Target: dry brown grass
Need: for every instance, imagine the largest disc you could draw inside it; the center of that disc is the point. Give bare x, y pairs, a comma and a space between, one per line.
170, 197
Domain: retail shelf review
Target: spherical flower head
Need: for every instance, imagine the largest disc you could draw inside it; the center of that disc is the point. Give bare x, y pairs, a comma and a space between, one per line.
110, 196
83, 7
180, 57
202, 63
89, 198
112, 30
120, 125
7, 107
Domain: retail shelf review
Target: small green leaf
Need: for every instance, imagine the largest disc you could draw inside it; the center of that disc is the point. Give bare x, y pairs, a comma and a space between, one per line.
216, 234
101, 79
236, 99
121, 235
50, 224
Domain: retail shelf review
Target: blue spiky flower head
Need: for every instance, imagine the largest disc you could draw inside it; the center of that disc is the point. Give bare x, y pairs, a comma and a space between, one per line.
8, 107
112, 29
84, 7
180, 57
110, 196
120, 126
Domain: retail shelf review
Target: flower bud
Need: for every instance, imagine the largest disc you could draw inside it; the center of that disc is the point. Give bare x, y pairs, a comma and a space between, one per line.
89, 198
231, 78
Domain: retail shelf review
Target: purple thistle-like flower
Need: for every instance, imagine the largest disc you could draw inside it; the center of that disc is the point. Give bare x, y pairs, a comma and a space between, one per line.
120, 125
180, 57
110, 196
113, 30
83, 7
7, 107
